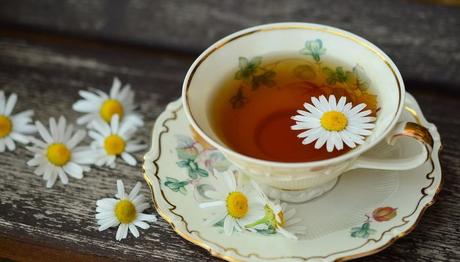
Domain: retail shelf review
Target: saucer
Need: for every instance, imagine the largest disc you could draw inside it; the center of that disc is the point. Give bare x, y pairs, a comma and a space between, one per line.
364, 212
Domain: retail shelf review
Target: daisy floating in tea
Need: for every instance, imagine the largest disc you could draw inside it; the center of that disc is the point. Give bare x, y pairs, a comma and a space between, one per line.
333, 123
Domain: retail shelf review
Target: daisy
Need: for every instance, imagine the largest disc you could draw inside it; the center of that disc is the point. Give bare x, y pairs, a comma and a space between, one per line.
124, 211
235, 205
58, 154
278, 218
112, 140
13, 127
100, 105
333, 123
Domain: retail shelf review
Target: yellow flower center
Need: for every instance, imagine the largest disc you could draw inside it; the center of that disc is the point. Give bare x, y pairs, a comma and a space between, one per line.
125, 211
111, 107
283, 221
237, 205
5, 126
334, 121
114, 145
58, 154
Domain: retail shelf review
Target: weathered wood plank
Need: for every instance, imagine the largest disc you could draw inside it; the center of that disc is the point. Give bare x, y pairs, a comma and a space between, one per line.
422, 39
47, 75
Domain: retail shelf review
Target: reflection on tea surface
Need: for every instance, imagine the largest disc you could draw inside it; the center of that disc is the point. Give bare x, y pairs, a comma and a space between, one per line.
251, 111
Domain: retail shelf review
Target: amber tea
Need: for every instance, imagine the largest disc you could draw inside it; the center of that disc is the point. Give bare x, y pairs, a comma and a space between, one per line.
251, 111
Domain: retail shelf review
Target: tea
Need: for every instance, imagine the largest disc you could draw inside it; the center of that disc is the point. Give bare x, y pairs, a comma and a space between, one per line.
251, 111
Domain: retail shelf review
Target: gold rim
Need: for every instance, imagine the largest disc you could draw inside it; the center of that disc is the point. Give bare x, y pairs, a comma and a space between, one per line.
202, 241
274, 27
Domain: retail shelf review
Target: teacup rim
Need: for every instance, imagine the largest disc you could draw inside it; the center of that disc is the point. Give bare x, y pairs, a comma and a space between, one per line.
283, 26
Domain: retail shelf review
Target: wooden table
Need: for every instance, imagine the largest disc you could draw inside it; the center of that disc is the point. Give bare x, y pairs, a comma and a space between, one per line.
49, 50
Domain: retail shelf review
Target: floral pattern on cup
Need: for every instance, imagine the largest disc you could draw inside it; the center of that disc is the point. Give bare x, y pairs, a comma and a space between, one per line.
314, 48
380, 214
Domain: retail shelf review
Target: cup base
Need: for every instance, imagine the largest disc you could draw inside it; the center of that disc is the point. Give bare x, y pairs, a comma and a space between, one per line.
298, 196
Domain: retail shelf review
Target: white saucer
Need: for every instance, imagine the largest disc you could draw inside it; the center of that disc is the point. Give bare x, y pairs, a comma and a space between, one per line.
366, 211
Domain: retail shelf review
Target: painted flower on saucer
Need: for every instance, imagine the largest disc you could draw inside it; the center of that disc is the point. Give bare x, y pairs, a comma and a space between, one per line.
114, 140
59, 155
13, 127
279, 218
333, 123
98, 105
235, 205
124, 211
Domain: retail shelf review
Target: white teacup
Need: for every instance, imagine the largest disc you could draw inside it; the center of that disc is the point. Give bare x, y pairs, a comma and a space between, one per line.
298, 182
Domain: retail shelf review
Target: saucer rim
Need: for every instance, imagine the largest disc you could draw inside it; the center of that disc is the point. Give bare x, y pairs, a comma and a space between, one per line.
415, 112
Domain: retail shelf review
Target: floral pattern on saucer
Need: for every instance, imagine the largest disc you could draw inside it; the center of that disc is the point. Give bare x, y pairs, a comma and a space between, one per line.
380, 214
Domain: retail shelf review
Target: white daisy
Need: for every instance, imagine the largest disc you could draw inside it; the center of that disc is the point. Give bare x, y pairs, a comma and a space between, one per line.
114, 140
124, 211
13, 127
333, 123
233, 204
58, 153
279, 218
100, 105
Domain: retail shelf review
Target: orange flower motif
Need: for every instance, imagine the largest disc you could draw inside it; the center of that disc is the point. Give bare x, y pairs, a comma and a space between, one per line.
384, 214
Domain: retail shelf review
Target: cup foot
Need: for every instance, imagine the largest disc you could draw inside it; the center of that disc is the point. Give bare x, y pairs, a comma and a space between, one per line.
298, 196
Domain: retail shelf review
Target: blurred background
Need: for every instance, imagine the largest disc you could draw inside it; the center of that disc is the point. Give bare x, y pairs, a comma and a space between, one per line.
422, 37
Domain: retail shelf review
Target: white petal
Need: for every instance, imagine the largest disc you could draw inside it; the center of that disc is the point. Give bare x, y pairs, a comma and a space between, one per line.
102, 127
76, 138
54, 130
84, 106
134, 147
52, 178
229, 224
115, 87
338, 141
9, 143
129, 159
286, 233
19, 137
358, 131
346, 109
2, 102
344, 135
216, 218
332, 103
305, 125
108, 203
146, 217
114, 121
315, 134
73, 170
324, 103
230, 180
2, 145
341, 104
133, 230
10, 104
43, 132
122, 232
120, 189
313, 110
212, 204
356, 109
108, 223
322, 140
88, 118
141, 224
135, 191
62, 176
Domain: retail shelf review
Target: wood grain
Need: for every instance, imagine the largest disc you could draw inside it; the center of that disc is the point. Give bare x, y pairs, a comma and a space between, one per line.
422, 39
47, 75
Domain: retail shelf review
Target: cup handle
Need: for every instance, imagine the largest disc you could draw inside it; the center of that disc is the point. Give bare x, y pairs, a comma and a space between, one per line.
410, 129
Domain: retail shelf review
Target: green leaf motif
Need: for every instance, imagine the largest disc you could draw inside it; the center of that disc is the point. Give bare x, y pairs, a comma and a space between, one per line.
202, 188
362, 80
314, 48
175, 185
193, 170
364, 231
238, 100
247, 68
264, 79
339, 75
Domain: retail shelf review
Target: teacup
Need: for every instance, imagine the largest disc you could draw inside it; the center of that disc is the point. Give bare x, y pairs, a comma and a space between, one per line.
297, 182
